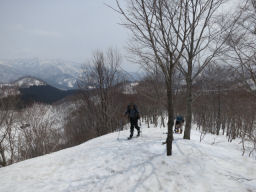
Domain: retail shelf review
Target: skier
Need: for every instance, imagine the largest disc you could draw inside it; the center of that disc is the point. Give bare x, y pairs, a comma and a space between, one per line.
179, 123
133, 115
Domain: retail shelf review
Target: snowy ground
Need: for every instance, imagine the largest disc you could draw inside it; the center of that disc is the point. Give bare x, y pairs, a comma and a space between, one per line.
107, 164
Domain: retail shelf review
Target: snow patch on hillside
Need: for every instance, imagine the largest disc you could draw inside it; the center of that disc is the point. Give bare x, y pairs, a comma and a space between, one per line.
27, 82
130, 88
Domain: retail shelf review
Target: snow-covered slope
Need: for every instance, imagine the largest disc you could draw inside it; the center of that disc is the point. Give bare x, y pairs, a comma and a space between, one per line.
107, 164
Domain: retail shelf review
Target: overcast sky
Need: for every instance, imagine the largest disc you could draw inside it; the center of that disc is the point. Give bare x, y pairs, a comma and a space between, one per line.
59, 29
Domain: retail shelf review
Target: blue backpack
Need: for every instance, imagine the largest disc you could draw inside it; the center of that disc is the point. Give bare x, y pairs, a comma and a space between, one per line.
180, 118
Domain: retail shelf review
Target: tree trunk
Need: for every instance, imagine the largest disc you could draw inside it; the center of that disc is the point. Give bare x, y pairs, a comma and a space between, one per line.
3, 162
170, 119
223, 126
218, 113
188, 118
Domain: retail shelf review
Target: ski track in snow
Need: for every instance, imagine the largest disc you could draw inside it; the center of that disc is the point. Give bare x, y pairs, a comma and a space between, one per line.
106, 164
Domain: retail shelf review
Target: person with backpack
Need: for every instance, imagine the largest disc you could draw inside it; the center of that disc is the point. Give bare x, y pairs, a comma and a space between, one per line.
133, 115
179, 123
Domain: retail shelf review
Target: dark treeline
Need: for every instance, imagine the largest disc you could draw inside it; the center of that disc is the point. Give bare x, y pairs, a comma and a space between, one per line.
43, 94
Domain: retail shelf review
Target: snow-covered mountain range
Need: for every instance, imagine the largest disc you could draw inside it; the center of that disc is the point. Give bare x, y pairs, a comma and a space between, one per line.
58, 73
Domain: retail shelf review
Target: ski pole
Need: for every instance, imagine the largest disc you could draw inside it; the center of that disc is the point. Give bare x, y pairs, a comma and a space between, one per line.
140, 128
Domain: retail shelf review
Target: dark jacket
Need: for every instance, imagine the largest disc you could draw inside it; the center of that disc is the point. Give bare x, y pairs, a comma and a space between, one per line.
132, 113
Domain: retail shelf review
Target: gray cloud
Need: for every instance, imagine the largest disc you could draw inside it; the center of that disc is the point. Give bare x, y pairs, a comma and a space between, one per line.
65, 29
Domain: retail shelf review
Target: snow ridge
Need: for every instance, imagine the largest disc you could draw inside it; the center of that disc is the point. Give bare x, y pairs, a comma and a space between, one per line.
140, 164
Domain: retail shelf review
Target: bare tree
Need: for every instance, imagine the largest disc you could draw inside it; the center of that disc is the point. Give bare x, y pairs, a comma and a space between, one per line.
3, 134
99, 85
38, 136
202, 45
242, 45
242, 57
153, 89
7, 130
158, 39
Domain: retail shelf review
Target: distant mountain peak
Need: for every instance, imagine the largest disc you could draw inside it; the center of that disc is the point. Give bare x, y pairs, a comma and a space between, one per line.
28, 81
7, 89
